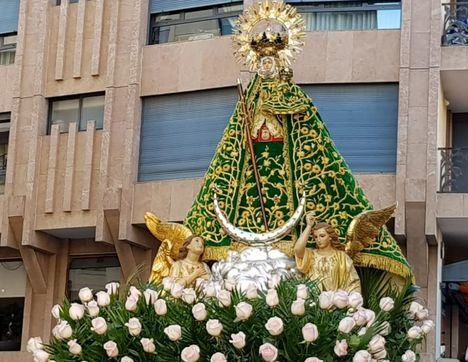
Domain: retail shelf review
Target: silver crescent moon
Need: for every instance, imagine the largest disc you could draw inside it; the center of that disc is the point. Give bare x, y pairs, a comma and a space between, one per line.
254, 239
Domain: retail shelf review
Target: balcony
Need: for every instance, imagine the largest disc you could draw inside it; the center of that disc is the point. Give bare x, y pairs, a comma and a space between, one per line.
453, 170
455, 24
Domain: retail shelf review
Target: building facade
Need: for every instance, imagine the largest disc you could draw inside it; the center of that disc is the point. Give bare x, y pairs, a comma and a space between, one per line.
110, 108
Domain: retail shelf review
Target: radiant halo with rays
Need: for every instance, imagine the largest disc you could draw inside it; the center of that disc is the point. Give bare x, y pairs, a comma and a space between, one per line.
268, 28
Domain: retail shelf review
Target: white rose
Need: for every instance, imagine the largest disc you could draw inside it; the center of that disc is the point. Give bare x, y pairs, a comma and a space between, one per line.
148, 345
346, 325
199, 312
93, 309
73, 347
302, 292
214, 327
243, 311
341, 348
414, 308
174, 332
298, 307
386, 328
40, 356
229, 284
177, 290
380, 355
64, 330
274, 281
56, 311
386, 304
134, 326
209, 290
268, 352
274, 326
99, 325
362, 356
131, 303
126, 359
355, 300
272, 298
370, 314
112, 288
326, 300
85, 294
160, 307
218, 357
188, 295
340, 299
362, 331
224, 298
313, 359
111, 349
238, 340
360, 317
251, 292
34, 344
190, 353
103, 299
415, 332
376, 344
409, 356
134, 291
422, 314
427, 326
76, 311
167, 283
310, 332
150, 296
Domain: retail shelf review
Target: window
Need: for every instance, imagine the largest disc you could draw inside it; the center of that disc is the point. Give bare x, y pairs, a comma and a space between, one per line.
79, 109
4, 135
58, 2
93, 273
12, 292
7, 49
194, 24
351, 15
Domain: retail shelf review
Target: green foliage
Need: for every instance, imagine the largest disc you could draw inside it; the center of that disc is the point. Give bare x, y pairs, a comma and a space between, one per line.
290, 343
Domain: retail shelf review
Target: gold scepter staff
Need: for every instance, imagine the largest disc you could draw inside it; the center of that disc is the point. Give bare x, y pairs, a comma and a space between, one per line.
251, 149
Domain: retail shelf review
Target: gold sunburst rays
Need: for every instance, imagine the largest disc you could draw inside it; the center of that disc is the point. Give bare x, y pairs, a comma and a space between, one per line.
251, 43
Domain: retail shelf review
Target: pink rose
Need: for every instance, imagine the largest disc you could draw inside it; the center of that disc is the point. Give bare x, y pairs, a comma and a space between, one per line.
362, 356
341, 348
190, 353
238, 340
310, 332
268, 352
274, 326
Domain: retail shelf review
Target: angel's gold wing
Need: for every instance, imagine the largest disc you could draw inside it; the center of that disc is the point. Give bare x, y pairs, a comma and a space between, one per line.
365, 228
176, 233
173, 236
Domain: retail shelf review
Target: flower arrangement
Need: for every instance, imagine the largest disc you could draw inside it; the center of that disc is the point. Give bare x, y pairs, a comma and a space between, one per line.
292, 321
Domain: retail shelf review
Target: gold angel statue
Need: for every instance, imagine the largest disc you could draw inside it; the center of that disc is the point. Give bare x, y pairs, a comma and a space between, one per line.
179, 255
328, 263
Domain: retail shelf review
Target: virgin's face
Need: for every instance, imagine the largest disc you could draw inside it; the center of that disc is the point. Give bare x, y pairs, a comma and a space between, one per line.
197, 245
322, 238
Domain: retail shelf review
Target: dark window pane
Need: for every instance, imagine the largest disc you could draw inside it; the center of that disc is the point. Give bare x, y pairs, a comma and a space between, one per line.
92, 110
227, 25
64, 112
93, 273
12, 292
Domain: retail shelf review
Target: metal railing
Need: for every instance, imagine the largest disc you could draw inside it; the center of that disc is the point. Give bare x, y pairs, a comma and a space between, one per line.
455, 23
453, 170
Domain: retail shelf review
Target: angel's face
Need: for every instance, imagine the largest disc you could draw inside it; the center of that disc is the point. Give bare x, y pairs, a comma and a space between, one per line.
196, 245
322, 238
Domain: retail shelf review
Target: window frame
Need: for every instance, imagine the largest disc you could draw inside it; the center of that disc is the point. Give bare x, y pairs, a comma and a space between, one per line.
8, 47
365, 6
80, 98
217, 15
